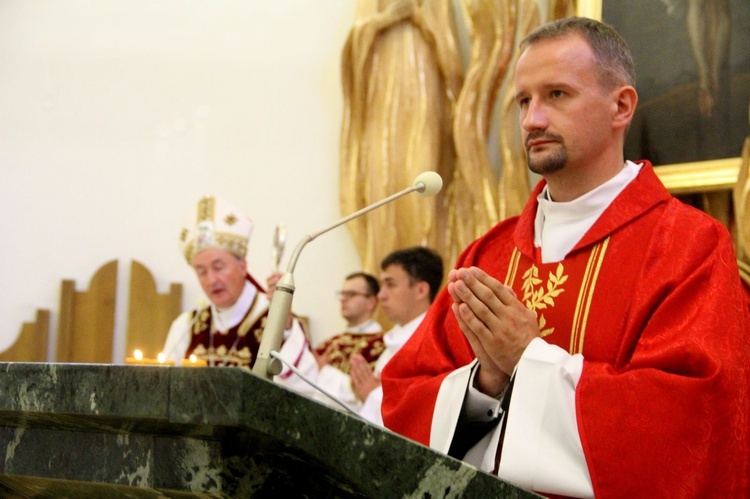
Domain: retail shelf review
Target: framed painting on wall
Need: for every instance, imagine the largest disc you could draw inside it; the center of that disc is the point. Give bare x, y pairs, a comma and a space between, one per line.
693, 80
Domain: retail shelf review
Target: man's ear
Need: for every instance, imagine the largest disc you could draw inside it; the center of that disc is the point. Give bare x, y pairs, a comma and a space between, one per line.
373, 303
624, 104
423, 290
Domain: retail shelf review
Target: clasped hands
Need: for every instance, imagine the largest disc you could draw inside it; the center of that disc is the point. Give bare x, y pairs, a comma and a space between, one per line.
364, 380
498, 326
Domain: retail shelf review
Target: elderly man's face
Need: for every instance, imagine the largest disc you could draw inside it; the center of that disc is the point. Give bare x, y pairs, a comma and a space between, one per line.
221, 275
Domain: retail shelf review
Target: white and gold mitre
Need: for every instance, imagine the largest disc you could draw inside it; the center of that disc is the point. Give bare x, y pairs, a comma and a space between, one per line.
215, 225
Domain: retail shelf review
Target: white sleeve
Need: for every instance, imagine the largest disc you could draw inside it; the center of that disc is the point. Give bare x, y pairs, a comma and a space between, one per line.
542, 448
371, 407
448, 405
178, 338
296, 350
455, 390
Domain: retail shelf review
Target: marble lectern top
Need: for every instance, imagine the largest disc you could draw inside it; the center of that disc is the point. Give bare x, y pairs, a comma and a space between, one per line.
85, 430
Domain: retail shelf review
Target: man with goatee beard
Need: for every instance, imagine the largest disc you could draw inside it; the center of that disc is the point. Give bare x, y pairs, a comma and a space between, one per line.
597, 344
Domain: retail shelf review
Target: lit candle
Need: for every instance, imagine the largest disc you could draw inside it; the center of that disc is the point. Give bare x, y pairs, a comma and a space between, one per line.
139, 359
193, 361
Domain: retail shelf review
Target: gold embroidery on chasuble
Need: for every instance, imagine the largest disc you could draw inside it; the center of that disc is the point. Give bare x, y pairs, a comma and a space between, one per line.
537, 298
202, 319
377, 349
339, 349
233, 347
549, 290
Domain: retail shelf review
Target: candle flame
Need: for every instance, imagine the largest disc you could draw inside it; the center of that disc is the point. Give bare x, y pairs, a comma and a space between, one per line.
138, 355
161, 357
193, 358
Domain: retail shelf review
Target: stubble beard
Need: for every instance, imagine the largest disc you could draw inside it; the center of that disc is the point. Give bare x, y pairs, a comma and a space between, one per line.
553, 162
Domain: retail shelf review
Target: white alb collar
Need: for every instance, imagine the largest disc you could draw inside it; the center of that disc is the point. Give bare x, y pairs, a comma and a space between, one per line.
227, 318
560, 225
368, 327
399, 334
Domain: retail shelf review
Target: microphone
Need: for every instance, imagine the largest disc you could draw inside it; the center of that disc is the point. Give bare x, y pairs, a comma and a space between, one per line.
425, 184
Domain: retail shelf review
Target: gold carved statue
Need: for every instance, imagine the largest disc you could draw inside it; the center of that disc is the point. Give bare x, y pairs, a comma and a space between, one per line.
428, 86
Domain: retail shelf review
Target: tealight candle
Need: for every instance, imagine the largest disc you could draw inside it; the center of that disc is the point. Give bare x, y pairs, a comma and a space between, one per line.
193, 361
139, 359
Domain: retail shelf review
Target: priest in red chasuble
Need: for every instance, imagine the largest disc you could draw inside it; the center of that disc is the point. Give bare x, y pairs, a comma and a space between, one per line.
598, 344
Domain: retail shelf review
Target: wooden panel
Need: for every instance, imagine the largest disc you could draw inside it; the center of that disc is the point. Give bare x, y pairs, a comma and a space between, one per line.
31, 345
150, 313
65, 324
87, 318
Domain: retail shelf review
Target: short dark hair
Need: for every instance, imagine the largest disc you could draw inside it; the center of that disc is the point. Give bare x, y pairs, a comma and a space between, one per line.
373, 286
613, 57
421, 263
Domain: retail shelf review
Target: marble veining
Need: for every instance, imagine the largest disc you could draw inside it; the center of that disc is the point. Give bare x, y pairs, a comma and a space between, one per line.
10, 449
441, 482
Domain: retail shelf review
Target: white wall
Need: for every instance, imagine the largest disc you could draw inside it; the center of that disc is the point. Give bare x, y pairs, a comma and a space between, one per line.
116, 116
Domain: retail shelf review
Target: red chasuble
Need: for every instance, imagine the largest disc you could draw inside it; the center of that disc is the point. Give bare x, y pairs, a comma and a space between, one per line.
651, 298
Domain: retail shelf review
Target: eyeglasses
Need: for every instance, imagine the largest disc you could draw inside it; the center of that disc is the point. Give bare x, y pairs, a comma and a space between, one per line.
350, 294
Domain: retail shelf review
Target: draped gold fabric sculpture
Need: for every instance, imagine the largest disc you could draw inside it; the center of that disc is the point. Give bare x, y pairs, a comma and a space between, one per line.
741, 196
428, 85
